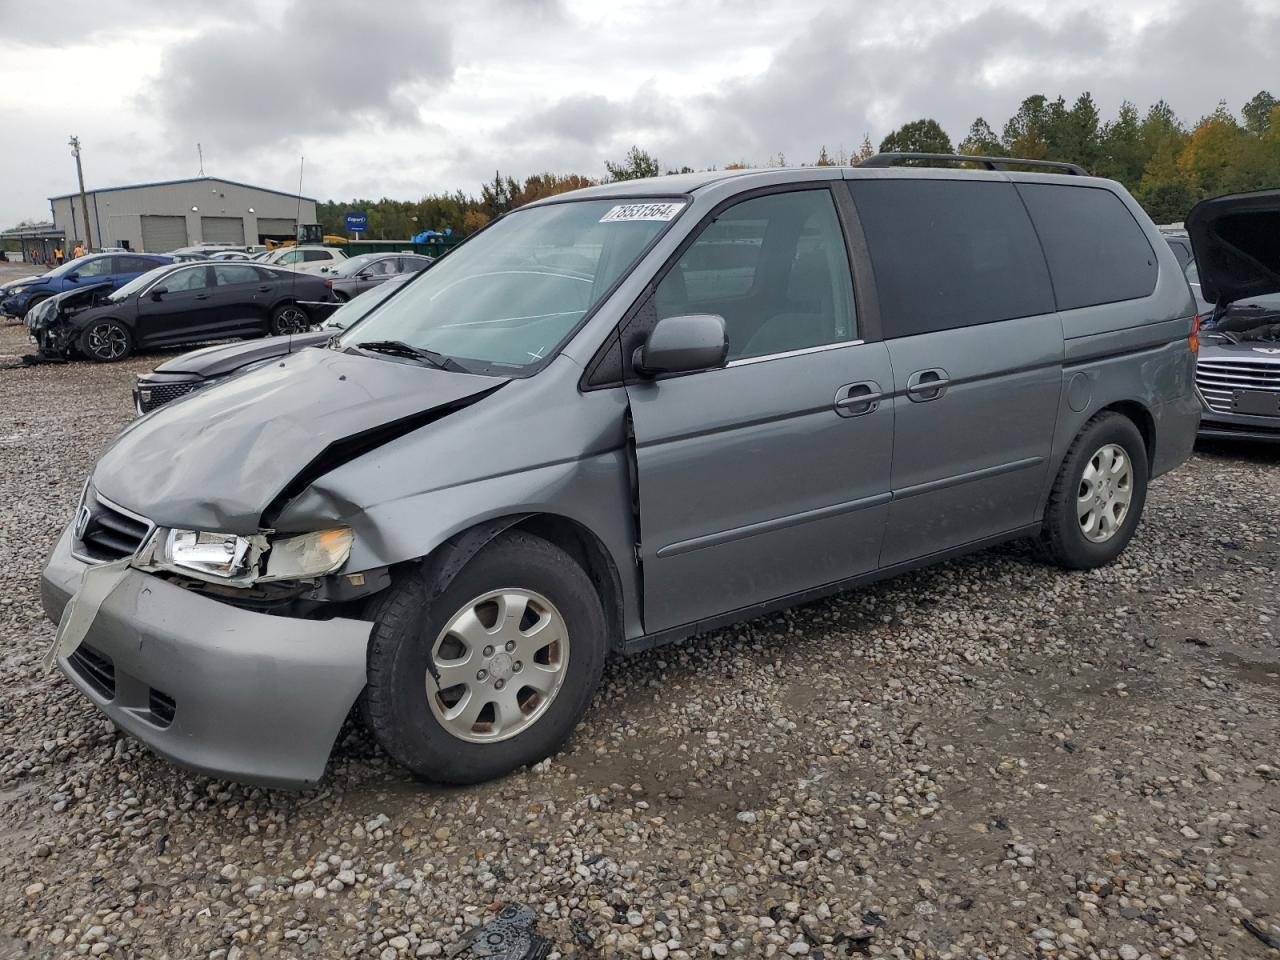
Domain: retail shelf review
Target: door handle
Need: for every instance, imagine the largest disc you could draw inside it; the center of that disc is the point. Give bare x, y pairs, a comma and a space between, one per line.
926, 385
858, 399
264, 289
202, 296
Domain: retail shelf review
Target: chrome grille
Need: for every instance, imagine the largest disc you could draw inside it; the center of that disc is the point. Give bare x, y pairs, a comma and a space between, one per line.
109, 532
1219, 379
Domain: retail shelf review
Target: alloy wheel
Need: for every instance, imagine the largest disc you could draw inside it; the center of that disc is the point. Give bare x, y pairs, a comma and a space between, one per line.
107, 341
1106, 490
498, 665
291, 320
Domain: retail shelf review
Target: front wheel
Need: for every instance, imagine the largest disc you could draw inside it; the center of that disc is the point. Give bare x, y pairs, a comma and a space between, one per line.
106, 341
495, 672
1098, 496
289, 318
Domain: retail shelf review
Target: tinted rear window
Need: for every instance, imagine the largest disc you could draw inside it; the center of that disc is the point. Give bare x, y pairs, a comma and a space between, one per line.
950, 253
1097, 252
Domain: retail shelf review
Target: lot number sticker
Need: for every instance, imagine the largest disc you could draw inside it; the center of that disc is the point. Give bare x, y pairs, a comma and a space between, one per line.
642, 211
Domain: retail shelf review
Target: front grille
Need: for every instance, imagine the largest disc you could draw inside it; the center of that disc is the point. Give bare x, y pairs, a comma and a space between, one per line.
95, 669
1219, 379
111, 533
155, 395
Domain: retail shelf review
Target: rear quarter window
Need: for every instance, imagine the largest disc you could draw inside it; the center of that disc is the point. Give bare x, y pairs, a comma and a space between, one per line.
950, 253
1097, 251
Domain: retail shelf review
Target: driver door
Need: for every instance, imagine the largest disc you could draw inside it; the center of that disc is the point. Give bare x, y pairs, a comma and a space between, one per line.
761, 480
185, 309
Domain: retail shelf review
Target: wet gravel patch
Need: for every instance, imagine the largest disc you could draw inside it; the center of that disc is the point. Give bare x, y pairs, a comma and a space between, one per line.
986, 759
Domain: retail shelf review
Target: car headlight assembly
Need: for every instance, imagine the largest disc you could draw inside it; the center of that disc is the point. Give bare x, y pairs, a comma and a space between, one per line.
242, 561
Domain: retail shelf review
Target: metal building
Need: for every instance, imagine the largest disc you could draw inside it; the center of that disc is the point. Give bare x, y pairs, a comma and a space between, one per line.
158, 217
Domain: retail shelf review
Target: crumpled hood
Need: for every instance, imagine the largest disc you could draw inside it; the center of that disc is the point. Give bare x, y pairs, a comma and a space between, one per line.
224, 357
217, 459
1236, 240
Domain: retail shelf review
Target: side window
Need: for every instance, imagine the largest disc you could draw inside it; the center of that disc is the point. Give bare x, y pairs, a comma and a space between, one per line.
101, 267
134, 265
775, 267
383, 267
950, 253
1097, 252
310, 256
227, 274
193, 278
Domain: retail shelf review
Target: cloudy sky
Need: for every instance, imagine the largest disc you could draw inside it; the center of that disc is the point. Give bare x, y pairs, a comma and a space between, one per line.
400, 99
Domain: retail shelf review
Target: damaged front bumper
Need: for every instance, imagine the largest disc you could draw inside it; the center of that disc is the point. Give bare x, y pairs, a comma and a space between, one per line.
221, 690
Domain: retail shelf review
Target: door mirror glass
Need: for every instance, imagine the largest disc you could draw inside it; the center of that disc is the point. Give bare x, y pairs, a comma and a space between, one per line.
158, 292
74, 275
694, 341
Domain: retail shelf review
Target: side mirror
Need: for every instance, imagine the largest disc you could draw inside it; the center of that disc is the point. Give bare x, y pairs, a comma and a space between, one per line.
158, 292
695, 341
73, 275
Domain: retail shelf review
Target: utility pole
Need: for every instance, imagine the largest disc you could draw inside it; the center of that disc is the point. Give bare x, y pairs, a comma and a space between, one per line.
84, 201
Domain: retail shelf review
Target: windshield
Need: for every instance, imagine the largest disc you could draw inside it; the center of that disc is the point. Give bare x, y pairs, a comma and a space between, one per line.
507, 298
137, 283
69, 266
357, 307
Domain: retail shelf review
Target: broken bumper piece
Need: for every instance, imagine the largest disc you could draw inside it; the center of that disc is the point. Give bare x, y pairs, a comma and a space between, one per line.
223, 691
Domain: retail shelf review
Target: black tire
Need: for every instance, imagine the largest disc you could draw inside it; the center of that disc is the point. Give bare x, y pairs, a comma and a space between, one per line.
1062, 538
289, 318
405, 628
105, 341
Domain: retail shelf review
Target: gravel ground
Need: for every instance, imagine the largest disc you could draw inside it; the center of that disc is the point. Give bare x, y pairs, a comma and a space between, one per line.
985, 759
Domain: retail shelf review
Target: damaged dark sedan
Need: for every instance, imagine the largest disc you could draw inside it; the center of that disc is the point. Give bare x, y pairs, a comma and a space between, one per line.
175, 305
1236, 278
613, 419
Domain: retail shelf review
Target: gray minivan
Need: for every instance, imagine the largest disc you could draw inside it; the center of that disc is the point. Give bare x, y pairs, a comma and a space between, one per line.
614, 418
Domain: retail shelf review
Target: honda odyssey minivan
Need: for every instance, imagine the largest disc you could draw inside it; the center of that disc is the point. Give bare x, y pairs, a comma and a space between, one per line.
614, 418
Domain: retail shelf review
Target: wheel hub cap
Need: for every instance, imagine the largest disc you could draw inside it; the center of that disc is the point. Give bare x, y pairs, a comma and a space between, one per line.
497, 665
1106, 490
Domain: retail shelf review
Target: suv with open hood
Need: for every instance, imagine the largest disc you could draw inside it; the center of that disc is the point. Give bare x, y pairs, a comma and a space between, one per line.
1236, 278
612, 419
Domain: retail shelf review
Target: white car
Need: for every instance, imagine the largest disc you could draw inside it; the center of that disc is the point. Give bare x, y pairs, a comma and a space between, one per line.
305, 259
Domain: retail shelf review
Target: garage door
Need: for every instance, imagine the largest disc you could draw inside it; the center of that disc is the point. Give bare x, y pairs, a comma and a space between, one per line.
222, 230
277, 228
162, 234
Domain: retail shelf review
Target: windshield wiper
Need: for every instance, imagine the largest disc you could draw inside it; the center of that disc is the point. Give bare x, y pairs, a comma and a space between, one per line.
398, 348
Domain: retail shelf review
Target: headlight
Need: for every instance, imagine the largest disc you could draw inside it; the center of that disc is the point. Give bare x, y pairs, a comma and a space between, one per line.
308, 555
221, 555
227, 557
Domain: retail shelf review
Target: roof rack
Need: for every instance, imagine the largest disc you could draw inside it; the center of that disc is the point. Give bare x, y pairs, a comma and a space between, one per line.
991, 163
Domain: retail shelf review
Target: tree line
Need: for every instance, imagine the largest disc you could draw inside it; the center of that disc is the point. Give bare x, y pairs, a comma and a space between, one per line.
1167, 164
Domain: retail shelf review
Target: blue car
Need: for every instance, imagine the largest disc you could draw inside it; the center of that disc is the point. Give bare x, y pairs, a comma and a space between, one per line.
97, 268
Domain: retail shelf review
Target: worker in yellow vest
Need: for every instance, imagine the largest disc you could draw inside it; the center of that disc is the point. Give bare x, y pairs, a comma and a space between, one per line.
57, 255
78, 252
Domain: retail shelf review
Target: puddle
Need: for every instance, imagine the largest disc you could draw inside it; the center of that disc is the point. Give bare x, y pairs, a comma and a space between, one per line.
1253, 671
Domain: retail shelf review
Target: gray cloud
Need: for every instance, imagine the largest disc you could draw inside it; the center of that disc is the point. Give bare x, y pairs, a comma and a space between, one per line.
324, 67
403, 99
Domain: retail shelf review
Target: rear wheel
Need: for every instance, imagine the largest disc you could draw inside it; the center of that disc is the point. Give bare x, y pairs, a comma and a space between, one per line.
1099, 494
106, 341
289, 318
495, 672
